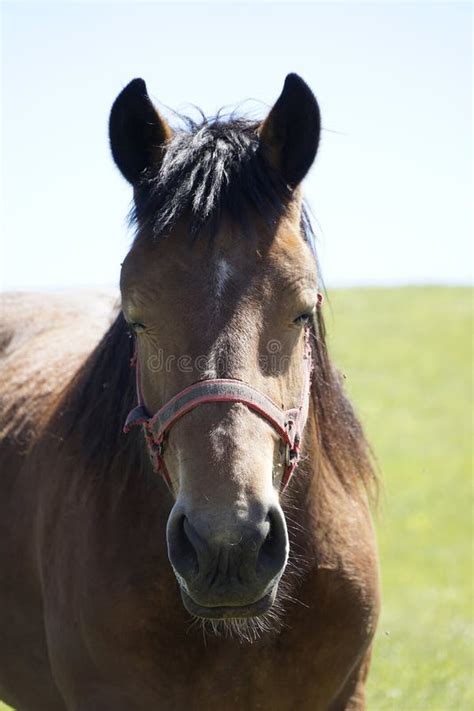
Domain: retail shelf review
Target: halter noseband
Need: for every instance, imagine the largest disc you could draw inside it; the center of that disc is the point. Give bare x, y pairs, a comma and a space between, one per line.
288, 424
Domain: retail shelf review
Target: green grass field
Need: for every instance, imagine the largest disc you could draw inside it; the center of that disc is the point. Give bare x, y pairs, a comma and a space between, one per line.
407, 357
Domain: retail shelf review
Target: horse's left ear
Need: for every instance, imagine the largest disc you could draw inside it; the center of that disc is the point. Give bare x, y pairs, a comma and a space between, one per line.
137, 132
289, 136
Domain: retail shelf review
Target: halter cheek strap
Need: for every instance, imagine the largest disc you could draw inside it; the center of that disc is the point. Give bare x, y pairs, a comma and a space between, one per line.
288, 424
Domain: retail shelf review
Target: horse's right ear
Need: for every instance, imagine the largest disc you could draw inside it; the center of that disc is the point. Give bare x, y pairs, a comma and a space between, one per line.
137, 132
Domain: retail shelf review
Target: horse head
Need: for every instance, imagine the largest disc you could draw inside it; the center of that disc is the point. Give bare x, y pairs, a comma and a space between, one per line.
219, 289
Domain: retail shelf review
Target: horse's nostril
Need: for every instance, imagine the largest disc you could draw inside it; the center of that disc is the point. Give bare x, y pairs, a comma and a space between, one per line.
274, 549
269, 535
184, 555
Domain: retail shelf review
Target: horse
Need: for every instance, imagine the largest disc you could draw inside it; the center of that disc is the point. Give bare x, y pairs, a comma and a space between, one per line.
186, 491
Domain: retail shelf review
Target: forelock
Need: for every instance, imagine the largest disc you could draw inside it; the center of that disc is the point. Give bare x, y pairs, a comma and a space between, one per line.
210, 169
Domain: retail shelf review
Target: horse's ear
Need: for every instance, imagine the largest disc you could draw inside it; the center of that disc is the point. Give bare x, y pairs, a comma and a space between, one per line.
137, 132
289, 136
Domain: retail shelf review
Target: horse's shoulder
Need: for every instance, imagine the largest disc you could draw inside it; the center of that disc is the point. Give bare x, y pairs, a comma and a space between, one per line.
27, 315
44, 339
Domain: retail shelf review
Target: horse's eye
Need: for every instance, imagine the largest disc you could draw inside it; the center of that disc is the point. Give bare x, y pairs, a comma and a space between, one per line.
137, 326
303, 319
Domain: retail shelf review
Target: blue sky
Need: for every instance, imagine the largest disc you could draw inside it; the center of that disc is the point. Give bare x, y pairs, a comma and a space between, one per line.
391, 187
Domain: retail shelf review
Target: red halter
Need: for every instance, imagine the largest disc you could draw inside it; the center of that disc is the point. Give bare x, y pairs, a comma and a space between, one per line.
288, 424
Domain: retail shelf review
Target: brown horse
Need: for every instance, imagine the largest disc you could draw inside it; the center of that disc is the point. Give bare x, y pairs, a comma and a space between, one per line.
277, 574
